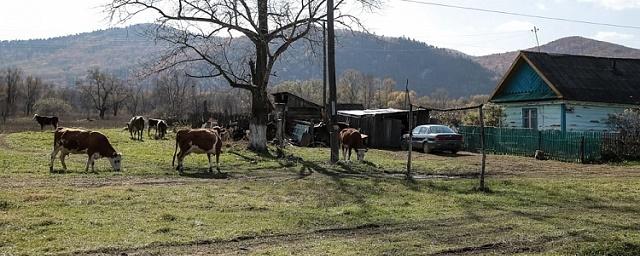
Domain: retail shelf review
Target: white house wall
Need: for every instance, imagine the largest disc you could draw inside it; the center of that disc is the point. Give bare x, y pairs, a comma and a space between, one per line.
548, 115
590, 116
580, 116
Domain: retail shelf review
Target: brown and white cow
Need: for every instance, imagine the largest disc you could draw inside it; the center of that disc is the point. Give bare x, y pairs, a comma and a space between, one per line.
351, 138
77, 141
199, 141
136, 127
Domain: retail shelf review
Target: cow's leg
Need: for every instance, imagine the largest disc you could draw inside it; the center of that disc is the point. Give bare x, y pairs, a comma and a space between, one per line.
181, 156
90, 161
209, 158
344, 153
218, 162
63, 155
53, 156
349, 157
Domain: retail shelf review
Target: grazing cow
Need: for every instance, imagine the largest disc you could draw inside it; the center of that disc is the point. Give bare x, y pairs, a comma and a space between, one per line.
76, 141
352, 139
161, 129
159, 125
136, 127
199, 141
46, 120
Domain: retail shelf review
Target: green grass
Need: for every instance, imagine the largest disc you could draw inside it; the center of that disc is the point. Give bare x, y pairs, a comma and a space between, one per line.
301, 205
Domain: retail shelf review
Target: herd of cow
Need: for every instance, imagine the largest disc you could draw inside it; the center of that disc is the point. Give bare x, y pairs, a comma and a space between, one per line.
200, 141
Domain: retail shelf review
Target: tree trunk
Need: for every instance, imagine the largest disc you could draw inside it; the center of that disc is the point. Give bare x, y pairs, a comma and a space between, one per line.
115, 109
260, 108
101, 113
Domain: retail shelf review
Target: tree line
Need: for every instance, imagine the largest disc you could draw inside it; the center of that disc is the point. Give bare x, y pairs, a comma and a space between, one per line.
174, 95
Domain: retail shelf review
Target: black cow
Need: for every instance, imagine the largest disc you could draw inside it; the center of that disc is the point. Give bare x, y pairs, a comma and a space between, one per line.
46, 120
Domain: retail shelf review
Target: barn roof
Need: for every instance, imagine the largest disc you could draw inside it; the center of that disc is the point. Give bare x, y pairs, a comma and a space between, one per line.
583, 78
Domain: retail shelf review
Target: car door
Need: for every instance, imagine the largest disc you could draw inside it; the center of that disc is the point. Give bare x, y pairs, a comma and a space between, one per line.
419, 135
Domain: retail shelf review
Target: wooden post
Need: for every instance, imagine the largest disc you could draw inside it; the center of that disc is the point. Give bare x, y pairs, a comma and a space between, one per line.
410, 146
482, 142
331, 80
410, 121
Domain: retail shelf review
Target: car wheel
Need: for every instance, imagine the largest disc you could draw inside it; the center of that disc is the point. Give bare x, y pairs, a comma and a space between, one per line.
425, 148
404, 145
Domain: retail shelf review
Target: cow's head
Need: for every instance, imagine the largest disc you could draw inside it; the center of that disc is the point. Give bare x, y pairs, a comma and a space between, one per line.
360, 153
35, 116
116, 161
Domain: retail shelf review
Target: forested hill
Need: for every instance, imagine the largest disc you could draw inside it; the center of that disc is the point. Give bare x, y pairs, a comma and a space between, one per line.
62, 60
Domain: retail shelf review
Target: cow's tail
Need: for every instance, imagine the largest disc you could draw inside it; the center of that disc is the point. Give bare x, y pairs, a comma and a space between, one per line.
174, 153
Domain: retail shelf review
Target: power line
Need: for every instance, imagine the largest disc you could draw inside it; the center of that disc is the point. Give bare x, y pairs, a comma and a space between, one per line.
521, 14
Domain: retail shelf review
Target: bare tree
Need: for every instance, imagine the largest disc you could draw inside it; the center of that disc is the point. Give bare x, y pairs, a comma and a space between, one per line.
32, 90
267, 29
136, 99
12, 80
120, 94
172, 89
98, 87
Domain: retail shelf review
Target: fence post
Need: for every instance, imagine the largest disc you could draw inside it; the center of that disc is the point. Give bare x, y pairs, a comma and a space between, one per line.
582, 149
482, 142
410, 146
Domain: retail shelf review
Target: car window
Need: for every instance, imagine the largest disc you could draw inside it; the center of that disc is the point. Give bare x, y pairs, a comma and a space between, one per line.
440, 129
423, 130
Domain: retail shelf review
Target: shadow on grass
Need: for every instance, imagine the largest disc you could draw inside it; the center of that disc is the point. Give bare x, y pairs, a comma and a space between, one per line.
206, 175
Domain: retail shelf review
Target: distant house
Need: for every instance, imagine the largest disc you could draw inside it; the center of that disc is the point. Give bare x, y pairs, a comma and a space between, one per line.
567, 92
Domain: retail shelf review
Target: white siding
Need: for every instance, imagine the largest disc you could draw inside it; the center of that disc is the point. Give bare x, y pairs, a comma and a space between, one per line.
580, 116
548, 115
590, 116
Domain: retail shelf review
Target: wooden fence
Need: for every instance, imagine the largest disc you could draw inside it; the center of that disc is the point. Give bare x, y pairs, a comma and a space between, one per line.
582, 147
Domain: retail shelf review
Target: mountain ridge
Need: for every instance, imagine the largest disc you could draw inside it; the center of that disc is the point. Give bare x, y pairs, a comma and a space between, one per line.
574, 45
63, 60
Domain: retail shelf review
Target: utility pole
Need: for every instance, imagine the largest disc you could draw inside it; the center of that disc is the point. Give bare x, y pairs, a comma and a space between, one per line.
331, 76
327, 113
535, 31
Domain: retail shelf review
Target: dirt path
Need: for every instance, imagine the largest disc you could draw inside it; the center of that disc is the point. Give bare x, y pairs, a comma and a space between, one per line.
301, 241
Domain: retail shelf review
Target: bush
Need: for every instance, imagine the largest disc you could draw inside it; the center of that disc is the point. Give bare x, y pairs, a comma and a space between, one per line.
52, 106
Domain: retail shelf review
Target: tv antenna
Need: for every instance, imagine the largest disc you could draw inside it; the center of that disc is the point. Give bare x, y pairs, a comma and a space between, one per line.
535, 31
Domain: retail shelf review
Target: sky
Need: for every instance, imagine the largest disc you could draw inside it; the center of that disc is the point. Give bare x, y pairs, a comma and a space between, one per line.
471, 32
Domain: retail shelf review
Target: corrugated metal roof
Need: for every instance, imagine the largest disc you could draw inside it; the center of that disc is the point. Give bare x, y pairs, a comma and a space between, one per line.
371, 112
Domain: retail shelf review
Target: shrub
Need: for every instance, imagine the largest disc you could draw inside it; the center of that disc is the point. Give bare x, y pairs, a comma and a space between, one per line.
52, 106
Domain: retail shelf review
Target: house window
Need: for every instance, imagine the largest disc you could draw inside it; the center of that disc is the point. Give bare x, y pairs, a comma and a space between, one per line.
530, 118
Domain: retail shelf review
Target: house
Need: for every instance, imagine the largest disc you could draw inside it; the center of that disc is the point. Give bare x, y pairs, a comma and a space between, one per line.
384, 126
567, 92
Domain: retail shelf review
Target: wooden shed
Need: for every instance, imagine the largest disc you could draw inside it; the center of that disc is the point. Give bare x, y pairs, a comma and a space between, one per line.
384, 126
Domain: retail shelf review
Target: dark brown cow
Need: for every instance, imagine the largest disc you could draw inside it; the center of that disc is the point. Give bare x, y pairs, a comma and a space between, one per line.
136, 127
76, 141
199, 141
352, 139
46, 120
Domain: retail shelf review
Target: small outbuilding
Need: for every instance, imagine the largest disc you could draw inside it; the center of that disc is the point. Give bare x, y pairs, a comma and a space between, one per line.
385, 127
567, 92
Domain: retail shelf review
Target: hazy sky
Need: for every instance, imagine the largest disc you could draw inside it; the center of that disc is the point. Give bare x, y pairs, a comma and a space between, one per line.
475, 33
